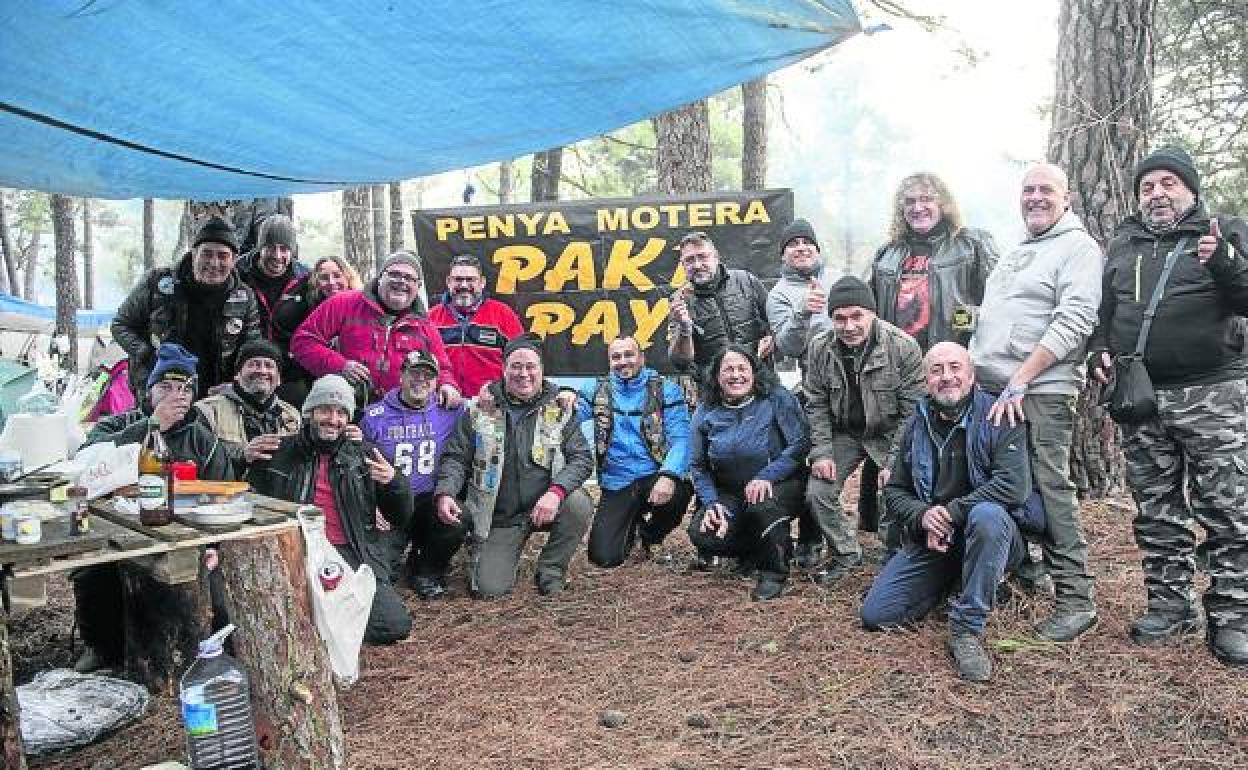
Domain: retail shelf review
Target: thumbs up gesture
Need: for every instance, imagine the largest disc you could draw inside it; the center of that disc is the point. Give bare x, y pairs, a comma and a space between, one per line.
1208, 244
816, 298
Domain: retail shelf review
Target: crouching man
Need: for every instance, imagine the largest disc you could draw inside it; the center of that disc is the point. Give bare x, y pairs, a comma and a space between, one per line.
960, 488
515, 468
350, 481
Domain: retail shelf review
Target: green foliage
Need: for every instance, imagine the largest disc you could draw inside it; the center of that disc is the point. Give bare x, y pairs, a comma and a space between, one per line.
1201, 93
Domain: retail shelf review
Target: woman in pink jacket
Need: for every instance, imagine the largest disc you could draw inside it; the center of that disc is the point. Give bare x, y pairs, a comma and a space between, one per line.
374, 329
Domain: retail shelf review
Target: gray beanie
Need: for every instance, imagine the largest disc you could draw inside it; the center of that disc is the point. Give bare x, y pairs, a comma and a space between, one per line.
403, 257
330, 390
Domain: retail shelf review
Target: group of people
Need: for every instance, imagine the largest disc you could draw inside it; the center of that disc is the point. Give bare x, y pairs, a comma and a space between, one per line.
948, 380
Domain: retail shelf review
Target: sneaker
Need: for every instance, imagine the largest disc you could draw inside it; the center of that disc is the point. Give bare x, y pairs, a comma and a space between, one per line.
970, 658
551, 585
704, 563
806, 555
1230, 646
828, 575
1156, 626
767, 589
429, 588
1065, 626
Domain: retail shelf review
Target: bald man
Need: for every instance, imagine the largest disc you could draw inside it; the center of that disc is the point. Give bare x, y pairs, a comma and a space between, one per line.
960, 487
1039, 308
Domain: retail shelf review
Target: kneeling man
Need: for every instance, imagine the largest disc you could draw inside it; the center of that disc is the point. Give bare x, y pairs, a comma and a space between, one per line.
513, 468
960, 487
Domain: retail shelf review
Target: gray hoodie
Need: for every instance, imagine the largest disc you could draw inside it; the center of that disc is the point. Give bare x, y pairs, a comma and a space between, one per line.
791, 325
1044, 292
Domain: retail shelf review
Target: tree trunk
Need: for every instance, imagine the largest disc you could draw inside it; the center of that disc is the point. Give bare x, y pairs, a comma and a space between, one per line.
30, 265
88, 257
297, 718
163, 626
149, 234
380, 229
396, 216
754, 134
1099, 132
12, 752
8, 274
684, 149
357, 238
547, 170
505, 173
67, 300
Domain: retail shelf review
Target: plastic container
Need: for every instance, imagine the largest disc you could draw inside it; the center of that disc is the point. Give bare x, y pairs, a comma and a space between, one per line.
10, 465
8, 523
28, 528
216, 710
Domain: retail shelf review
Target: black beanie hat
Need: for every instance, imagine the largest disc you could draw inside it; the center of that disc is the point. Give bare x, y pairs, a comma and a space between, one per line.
850, 291
216, 230
259, 348
529, 340
798, 228
277, 228
1173, 159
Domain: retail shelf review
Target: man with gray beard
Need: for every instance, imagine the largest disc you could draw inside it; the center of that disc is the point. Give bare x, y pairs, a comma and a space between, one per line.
247, 414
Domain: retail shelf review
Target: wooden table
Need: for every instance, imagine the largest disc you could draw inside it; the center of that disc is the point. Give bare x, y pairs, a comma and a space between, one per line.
171, 553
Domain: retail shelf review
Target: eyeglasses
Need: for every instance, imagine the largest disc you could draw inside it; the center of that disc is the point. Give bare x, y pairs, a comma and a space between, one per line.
169, 387
914, 200
409, 278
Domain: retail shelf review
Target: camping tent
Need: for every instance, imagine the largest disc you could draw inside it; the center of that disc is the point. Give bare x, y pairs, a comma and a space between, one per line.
238, 99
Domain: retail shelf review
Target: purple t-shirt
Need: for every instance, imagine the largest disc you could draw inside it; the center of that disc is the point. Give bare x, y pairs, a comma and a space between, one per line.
411, 439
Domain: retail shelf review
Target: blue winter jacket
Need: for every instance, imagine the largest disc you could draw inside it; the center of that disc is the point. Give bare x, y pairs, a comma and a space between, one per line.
766, 439
628, 458
997, 460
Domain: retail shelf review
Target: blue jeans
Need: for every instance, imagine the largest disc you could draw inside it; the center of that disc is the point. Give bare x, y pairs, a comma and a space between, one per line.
916, 579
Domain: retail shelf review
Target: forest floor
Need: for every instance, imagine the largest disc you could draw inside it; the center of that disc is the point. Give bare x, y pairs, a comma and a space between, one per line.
701, 677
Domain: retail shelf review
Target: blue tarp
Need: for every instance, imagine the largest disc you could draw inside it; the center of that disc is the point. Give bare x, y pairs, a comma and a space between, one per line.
239, 98
20, 315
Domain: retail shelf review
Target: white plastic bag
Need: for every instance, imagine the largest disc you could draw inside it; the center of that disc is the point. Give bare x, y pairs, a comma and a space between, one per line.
62, 709
105, 467
340, 613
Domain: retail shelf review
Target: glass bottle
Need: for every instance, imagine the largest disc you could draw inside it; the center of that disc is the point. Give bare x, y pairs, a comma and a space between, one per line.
155, 479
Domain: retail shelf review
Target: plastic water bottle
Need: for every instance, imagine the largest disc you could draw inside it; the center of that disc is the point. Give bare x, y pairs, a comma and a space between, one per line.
216, 709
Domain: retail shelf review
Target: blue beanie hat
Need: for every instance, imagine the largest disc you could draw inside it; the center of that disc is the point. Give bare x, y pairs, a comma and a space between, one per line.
172, 357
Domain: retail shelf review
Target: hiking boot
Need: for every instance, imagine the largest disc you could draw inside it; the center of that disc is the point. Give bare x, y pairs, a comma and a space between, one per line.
1230, 646
806, 555
551, 585
970, 658
1156, 626
828, 575
1065, 626
429, 588
767, 588
744, 569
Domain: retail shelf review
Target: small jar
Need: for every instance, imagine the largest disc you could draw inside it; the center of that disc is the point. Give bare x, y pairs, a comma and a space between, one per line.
79, 517
29, 528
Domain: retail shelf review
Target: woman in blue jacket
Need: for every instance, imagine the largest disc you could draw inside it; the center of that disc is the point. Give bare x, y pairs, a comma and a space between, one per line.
749, 441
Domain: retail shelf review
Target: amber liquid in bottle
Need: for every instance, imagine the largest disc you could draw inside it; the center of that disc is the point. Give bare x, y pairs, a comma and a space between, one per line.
155, 479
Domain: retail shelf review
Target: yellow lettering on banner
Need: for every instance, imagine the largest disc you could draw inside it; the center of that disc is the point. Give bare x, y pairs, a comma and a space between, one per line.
555, 223
678, 277
648, 319
673, 213
501, 227
755, 212
530, 222
700, 215
576, 260
517, 262
444, 226
622, 264
548, 318
645, 217
727, 213
474, 228
612, 219
602, 318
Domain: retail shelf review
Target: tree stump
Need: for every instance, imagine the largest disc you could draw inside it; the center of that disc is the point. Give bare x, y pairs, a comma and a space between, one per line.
297, 719
163, 626
12, 752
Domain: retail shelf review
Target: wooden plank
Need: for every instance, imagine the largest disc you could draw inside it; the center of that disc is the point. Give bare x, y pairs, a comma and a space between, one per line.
56, 542
171, 533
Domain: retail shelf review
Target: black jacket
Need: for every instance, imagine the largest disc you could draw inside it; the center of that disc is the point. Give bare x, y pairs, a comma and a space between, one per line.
190, 439
157, 310
292, 292
1196, 338
291, 475
732, 308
